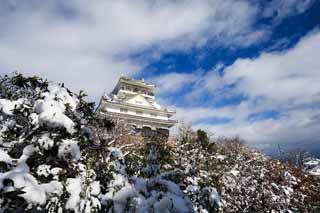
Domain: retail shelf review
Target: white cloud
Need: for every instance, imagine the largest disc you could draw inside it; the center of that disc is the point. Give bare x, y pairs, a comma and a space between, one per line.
298, 128
290, 77
280, 9
286, 82
173, 82
199, 81
87, 44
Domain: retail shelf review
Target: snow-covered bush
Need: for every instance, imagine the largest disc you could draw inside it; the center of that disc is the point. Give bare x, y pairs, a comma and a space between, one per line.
57, 155
158, 193
243, 180
40, 138
194, 158
312, 166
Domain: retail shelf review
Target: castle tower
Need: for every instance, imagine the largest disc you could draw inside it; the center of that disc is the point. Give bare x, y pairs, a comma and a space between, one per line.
134, 101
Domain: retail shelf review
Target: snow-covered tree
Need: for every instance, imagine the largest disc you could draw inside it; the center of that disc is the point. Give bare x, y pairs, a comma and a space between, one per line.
42, 132
57, 155
240, 179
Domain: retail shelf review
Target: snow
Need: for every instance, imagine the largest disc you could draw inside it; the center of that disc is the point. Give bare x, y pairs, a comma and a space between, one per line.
43, 170
7, 106
34, 193
171, 186
6, 125
52, 114
74, 189
145, 195
220, 157
313, 162
121, 197
46, 168
28, 151
51, 109
115, 152
4, 157
193, 189
69, 148
60, 93
46, 142
171, 203
274, 185
287, 190
53, 188
95, 188
34, 118
315, 171
234, 172
313, 167
21, 178
213, 195
166, 202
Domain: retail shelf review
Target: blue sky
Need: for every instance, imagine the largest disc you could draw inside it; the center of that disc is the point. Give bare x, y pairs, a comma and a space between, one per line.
234, 68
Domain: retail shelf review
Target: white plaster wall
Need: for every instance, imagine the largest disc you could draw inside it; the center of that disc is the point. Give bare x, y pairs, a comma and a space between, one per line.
139, 100
134, 93
146, 113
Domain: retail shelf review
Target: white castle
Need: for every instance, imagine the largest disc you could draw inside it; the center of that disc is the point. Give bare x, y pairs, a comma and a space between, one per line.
134, 101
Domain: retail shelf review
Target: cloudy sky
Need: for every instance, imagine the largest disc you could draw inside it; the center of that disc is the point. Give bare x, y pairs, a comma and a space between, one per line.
232, 67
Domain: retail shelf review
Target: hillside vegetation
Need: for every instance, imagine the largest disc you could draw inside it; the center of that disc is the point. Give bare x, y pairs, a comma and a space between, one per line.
57, 156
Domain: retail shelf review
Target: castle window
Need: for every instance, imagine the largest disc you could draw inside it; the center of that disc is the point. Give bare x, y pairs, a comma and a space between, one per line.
139, 112
123, 110
153, 115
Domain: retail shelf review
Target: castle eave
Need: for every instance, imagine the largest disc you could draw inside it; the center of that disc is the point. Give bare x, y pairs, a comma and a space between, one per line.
114, 103
167, 123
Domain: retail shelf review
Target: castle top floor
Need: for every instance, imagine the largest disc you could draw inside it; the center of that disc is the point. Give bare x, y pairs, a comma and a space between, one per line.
127, 87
